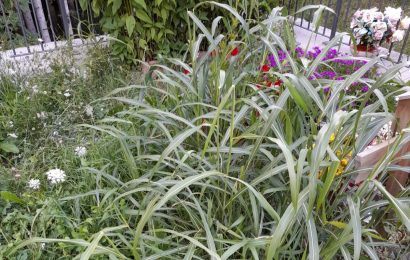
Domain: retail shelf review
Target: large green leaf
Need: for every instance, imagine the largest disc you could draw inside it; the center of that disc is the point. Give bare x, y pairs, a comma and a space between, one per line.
116, 5
9, 147
143, 16
11, 197
130, 23
142, 3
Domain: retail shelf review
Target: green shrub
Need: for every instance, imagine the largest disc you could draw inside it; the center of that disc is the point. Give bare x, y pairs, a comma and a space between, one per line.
143, 29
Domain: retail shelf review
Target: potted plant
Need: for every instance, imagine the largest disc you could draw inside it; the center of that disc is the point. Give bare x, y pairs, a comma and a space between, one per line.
371, 28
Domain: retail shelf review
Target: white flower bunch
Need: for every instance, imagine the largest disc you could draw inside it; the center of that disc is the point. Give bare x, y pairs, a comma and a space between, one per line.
55, 176
371, 27
89, 110
80, 151
393, 14
34, 184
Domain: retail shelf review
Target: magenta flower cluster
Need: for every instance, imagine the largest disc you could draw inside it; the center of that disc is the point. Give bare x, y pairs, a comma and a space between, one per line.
343, 66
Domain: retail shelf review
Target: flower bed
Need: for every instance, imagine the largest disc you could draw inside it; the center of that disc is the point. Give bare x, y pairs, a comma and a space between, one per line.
231, 154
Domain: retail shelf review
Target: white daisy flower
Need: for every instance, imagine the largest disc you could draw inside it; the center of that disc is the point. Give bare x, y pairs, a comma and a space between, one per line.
67, 93
34, 184
80, 151
55, 176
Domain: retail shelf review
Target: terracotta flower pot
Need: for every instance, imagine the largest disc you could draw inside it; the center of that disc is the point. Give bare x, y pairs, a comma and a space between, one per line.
364, 51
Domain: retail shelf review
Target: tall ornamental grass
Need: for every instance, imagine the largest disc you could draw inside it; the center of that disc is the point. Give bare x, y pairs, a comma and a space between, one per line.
207, 164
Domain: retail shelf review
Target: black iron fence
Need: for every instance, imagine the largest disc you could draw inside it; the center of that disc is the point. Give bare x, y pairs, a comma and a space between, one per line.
44, 22
340, 20
38, 25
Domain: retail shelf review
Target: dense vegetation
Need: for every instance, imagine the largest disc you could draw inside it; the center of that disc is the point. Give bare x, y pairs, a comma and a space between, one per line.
243, 151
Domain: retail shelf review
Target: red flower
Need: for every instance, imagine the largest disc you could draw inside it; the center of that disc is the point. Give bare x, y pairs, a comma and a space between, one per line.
269, 84
235, 52
278, 83
258, 86
265, 68
186, 72
213, 53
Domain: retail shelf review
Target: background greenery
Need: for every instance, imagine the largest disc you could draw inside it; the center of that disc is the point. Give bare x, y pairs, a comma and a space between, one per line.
145, 29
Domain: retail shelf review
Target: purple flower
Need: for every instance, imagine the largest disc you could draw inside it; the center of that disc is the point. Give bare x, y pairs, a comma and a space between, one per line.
299, 52
328, 74
365, 88
331, 54
326, 90
314, 53
272, 61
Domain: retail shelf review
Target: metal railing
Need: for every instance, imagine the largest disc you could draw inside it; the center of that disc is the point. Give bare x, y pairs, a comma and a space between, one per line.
340, 20
45, 22
35, 25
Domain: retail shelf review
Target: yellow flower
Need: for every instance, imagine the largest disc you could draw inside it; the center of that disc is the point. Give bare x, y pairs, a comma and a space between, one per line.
332, 138
344, 162
339, 171
338, 153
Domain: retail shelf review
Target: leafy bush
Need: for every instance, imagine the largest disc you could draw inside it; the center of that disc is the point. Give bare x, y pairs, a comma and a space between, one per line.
203, 162
146, 28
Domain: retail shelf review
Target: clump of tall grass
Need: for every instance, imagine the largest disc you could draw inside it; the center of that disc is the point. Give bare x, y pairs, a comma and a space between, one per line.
206, 164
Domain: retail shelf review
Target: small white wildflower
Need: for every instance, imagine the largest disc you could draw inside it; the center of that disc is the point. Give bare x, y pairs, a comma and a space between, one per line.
55, 133
55, 176
11, 124
80, 151
33, 128
34, 184
43, 246
89, 110
67, 93
35, 89
42, 115
12, 135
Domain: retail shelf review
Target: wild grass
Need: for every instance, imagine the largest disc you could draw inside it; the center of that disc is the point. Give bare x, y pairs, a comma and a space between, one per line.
206, 165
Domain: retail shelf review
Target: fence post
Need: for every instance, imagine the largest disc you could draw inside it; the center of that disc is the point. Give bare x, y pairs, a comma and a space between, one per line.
65, 15
336, 19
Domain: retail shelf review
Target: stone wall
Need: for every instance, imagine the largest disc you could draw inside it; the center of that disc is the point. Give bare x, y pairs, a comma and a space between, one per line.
37, 59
